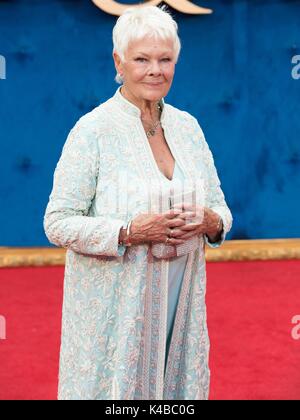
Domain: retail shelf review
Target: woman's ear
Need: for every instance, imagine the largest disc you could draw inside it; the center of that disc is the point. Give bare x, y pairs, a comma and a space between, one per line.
118, 63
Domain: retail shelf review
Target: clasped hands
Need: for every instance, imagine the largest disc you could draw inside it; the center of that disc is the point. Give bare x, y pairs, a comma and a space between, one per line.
198, 220
175, 226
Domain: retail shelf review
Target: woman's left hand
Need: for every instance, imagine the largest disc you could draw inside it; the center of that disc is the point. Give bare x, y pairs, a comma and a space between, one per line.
206, 221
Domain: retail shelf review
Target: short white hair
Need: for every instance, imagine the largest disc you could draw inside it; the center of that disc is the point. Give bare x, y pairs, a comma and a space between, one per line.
139, 22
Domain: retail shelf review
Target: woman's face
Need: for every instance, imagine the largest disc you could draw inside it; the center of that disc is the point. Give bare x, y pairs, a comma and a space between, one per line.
148, 69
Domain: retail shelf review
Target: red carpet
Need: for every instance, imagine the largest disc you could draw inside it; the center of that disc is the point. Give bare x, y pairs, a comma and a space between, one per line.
250, 308
30, 300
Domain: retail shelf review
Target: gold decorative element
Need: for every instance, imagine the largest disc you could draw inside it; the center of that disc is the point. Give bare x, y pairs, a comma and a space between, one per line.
24, 257
185, 6
256, 249
235, 250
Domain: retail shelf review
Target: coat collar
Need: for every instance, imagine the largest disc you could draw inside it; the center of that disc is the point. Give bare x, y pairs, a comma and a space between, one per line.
131, 109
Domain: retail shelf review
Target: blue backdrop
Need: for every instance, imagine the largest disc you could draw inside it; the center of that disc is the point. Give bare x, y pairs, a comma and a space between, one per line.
234, 75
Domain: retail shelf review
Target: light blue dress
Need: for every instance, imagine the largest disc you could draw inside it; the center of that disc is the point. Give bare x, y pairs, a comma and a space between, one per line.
176, 272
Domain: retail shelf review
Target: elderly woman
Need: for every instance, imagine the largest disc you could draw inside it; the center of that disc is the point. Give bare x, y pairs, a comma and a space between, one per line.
134, 314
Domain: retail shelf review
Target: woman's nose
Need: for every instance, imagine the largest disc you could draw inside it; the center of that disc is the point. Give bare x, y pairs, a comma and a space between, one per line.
155, 68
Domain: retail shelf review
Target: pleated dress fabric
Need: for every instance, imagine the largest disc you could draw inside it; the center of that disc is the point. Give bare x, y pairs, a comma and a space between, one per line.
176, 269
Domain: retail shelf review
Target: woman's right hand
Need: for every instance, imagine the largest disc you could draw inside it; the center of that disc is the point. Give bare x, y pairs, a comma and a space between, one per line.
156, 228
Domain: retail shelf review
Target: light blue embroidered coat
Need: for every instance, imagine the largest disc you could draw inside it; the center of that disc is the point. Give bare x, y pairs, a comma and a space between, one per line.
115, 298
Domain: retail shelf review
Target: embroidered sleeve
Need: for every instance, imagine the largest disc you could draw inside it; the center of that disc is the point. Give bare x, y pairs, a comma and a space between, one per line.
215, 196
67, 222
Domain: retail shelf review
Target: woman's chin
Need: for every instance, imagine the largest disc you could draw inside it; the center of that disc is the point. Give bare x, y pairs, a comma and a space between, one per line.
154, 93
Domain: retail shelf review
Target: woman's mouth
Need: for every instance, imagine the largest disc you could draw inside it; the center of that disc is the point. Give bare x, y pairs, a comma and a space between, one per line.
154, 84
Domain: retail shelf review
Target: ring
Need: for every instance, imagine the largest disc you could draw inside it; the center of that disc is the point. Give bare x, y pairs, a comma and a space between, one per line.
169, 236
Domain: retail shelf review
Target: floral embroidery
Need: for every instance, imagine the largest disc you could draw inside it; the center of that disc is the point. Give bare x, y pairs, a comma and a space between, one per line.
115, 299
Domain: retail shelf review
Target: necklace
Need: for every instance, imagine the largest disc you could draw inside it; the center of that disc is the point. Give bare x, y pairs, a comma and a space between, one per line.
152, 130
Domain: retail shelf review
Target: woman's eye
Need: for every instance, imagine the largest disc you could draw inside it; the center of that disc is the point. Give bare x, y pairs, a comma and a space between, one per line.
144, 60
